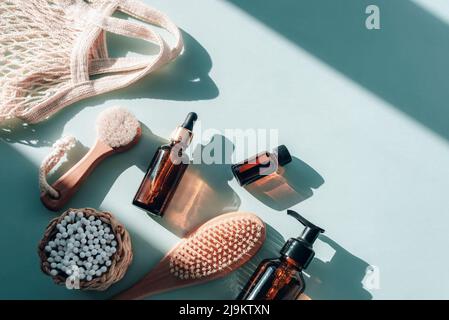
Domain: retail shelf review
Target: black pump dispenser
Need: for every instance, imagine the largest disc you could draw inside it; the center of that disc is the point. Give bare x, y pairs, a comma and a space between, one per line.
282, 278
300, 249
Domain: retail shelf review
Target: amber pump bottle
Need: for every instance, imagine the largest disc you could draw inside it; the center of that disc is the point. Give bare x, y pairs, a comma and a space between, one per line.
261, 165
166, 170
282, 278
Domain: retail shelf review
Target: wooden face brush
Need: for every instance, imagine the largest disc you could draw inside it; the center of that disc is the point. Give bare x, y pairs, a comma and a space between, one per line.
117, 131
214, 250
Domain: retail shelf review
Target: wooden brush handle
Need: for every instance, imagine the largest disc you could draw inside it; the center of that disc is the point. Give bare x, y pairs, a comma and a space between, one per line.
68, 184
137, 292
151, 283
140, 292
160, 279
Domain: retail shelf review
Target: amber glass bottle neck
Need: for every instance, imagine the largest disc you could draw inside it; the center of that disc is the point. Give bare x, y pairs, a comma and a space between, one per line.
182, 136
290, 262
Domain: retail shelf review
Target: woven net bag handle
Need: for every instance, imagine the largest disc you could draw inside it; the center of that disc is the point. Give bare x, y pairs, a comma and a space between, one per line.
81, 68
120, 72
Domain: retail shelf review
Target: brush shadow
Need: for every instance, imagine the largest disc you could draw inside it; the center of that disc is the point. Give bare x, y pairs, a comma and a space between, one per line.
293, 184
203, 192
405, 62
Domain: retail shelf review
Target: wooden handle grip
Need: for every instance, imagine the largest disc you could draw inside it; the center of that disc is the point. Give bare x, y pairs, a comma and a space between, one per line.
69, 183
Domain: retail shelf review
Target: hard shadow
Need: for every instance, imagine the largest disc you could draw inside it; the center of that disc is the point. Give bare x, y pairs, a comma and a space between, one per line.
338, 279
185, 79
293, 184
43, 134
203, 192
24, 220
405, 63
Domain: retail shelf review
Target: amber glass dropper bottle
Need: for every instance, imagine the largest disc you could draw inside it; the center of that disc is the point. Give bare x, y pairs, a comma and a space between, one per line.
282, 278
166, 170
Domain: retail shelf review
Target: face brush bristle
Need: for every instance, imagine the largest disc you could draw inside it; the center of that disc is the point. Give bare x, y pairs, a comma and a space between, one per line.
214, 250
117, 130
117, 127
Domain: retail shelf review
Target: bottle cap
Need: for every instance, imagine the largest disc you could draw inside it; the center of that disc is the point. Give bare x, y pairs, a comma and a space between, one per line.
300, 249
283, 154
190, 121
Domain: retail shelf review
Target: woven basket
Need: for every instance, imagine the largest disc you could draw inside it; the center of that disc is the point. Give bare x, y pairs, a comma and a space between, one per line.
120, 260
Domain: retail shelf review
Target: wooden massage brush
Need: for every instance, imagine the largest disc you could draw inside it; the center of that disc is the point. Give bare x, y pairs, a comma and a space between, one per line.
212, 251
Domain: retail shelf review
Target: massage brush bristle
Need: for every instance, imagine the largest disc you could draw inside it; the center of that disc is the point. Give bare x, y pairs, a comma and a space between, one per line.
217, 247
214, 250
117, 130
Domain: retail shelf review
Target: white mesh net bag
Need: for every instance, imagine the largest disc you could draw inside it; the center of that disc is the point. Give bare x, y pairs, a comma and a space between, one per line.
54, 52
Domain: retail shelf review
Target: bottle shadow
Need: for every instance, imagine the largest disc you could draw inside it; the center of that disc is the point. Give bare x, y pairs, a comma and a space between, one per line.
24, 222
340, 278
293, 184
203, 192
185, 79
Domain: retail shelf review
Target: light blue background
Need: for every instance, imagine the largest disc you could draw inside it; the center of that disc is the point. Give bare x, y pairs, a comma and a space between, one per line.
364, 113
